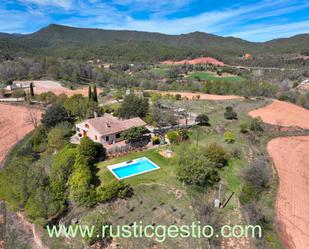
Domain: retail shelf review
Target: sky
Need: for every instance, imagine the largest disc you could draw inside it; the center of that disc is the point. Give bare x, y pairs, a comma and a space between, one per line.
250, 20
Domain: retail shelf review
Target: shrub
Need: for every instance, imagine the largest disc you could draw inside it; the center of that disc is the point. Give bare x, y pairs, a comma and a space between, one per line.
113, 190
202, 119
256, 125
173, 137
230, 113
96, 220
247, 194
244, 128
257, 174
155, 139
215, 153
183, 133
236, 153
229, 137
178, 96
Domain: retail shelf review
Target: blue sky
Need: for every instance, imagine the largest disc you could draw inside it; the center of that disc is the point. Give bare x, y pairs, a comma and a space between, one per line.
250, 20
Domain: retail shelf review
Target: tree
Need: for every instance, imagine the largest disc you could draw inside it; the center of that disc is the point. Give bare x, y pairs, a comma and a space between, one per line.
202, 119
31, 90
90, 150
194, 168
33, 117
133, 106
95, 94
135, 136
230, 113
54, 115
89, 93
77, 105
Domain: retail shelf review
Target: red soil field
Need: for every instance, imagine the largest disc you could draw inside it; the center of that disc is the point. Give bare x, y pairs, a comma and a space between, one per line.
283, 114
14, 126
203, 96
201, 60
291, 159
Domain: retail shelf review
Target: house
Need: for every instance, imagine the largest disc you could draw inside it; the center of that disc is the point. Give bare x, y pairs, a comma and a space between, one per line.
106, 129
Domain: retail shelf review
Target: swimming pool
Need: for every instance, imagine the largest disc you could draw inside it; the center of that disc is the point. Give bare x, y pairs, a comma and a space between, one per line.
133, 167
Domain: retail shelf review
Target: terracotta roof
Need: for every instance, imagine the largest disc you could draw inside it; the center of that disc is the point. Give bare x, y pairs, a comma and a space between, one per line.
108, 124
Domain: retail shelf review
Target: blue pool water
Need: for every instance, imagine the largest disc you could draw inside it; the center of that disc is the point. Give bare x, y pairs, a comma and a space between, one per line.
137, 166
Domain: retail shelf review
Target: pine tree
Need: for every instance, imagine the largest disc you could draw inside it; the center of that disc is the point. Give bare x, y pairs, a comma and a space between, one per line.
31, 90
95, 94
89, 93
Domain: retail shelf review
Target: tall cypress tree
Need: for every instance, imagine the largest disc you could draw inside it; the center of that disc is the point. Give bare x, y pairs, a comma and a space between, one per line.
89, 93
31, 90
95, 94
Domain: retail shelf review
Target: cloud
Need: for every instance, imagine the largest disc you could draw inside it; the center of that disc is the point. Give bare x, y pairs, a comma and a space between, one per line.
65, 4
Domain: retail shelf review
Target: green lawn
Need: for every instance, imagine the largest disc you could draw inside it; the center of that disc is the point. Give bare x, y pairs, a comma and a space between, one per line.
166, 173
207, 76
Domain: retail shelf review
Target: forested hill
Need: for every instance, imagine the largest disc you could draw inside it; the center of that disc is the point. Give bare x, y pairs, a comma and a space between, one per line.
69, 42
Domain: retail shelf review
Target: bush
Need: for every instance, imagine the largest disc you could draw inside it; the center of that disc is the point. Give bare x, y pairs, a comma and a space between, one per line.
173, 137
256, 125
155, 139
113, 190
178, 96
216, 154
183, 133
244, 128
229, 137
202, 119
96, 220
257, 174
247, 194
230, 113
236, 153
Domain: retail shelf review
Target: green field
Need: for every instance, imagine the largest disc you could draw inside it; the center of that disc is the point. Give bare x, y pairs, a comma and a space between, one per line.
207, 76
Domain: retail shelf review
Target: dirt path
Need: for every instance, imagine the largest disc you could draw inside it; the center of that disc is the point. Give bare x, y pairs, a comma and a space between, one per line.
283, 114
291, 158
203, 96
13, 125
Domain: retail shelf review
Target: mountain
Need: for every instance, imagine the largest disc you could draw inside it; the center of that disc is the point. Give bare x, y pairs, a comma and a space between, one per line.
85, 43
